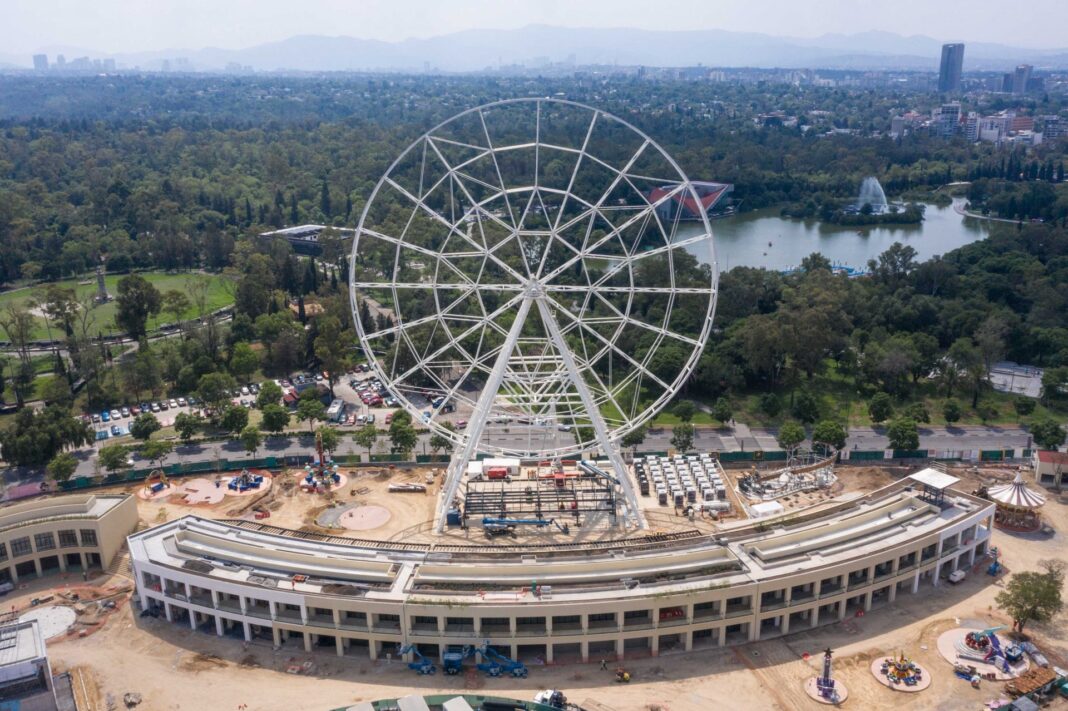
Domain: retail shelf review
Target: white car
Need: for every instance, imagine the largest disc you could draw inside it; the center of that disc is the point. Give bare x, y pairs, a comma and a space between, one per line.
956, 576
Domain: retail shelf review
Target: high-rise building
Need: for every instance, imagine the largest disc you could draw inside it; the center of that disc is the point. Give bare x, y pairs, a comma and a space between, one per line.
945, 120
1020, 78
971, 126
950, 69
40, 62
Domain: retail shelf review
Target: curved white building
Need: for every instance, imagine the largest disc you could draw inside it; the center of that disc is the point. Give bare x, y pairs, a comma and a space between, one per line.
640, 596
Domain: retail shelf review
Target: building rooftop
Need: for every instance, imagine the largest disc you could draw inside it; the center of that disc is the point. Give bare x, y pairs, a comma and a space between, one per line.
934, 478
1053, 457
20, 642
67, 506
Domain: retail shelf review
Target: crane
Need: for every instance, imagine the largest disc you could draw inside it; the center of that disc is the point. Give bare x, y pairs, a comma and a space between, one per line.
494, 663
420, 663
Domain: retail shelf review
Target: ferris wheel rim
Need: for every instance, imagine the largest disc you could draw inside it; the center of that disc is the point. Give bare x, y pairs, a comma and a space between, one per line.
629, 423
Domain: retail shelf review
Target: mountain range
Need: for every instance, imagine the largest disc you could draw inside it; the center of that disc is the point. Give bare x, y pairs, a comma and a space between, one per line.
536, 45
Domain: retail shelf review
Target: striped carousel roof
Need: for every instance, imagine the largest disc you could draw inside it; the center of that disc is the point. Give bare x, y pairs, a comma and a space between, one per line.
1016, 495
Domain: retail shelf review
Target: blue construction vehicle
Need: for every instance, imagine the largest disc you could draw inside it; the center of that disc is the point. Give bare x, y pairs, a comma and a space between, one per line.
494, 526
452, 662
495, 664
419, 663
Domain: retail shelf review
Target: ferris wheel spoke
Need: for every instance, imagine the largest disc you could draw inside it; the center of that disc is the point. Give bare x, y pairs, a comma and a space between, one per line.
497, 167
456, 173
626, 356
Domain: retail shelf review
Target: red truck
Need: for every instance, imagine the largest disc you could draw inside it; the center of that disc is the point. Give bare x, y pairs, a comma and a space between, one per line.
497, 473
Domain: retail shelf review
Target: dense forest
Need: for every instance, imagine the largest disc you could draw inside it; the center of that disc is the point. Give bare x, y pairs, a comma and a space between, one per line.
182, 174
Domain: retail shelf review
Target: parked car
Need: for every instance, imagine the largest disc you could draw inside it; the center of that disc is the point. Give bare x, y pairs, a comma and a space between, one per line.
192, 401
105, 416
371, 418
461, 424
156, 407
116, 414
125, 412
116, 431
163, 405
96, 417
173, 403
135, 410
389, 418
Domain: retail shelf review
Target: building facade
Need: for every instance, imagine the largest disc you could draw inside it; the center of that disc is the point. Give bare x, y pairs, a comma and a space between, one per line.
639, 596
949, 71
61, 533
1051, 468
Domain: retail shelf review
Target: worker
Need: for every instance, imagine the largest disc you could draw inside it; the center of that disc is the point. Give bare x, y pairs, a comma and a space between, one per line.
604, 665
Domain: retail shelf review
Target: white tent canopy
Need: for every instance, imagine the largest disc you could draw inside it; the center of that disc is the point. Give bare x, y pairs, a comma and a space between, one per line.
1016, 495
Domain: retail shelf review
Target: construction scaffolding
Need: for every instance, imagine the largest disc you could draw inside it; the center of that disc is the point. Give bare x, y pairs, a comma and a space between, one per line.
576, 499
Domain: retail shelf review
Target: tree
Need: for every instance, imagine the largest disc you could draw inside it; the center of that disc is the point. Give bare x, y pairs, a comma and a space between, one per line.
439, 441
332, 348
270, 394
311, 409
402, 436
770, 404
234, 418
187, 425
829, 432
1046, 433
331, 439
880, 407
243, 362
114, 457
987, 412
684, 410
682, 437
790, 436
144, 425
967, 359
33, 437
903, 434
366, 437
918, 411
251, 439
175, 303
721, 410
634, 438
805, 408
215, 389
62, 467
156, 450
951, 411
275, 418
1033, 596
136, 301
1024, 406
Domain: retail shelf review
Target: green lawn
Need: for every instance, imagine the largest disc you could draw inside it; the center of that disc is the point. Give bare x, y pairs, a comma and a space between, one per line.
104, 315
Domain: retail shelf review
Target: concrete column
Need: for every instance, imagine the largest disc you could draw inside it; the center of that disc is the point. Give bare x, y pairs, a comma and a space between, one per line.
867, 601
916, 583
754, 629
275, 633
549, 653
514, 649
971, 556
815, 615
721, 636
192, 619
817, 588
687, 641
214, 598
304, 614
511, 625
218, 626
893, 593
937, 572
619, 649
654, 645
785, 623
372, 647
247, 629
307, 642
243, 602
14, 575
549, 626
585, 650
62, 562
272, 606
85, 561
584, 620
841, 609
477, 625
167, 611
895, 565
871, 574
337, 617
340, 646
188, 592
37, 567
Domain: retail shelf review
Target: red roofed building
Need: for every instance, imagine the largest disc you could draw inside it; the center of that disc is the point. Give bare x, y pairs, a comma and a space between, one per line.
1051, 468
710, 195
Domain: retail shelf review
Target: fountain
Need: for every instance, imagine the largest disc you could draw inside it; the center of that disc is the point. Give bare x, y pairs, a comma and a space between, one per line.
871, 193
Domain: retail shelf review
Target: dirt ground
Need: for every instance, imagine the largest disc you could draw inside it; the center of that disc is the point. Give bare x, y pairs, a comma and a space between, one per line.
176, 669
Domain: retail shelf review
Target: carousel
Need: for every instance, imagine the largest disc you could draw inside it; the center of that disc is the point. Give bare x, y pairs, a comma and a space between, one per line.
1016, 505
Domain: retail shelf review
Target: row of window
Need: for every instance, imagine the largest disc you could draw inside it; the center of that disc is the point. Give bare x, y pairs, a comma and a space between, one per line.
47, 541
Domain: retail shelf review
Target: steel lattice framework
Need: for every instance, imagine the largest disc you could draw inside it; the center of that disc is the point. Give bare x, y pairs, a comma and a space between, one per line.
526, 262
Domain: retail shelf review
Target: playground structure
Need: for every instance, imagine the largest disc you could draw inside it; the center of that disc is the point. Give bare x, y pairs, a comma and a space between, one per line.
156, 486
321, 475
823, 688
985, 647
902, 670
805, 472
245, 481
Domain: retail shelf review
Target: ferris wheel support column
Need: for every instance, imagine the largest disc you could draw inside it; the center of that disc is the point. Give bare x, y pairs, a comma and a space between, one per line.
479, 416
631, 510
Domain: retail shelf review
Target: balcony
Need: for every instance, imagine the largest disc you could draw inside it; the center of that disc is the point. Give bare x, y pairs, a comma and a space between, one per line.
387, 627
566, 628
773, 604
603, 626
738, 611
353, 625
709, 614
321, 621
291, 617
264, 613
530, 631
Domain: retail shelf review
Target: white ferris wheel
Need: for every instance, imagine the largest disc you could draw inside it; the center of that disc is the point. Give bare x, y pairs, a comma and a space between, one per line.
534, 278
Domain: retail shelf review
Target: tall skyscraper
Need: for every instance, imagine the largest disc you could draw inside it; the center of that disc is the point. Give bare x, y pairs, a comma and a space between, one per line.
950, 69
1020, 78
40, 62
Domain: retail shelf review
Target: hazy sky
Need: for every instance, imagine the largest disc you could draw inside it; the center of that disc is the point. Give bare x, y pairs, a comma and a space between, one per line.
134, 25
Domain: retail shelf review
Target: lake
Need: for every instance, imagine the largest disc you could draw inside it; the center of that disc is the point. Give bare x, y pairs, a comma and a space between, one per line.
743, 240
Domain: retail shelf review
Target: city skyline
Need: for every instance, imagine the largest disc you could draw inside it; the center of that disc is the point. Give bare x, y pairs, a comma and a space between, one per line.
113, 26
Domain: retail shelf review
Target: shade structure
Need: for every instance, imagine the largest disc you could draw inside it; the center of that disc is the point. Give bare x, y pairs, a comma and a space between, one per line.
1016, 495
